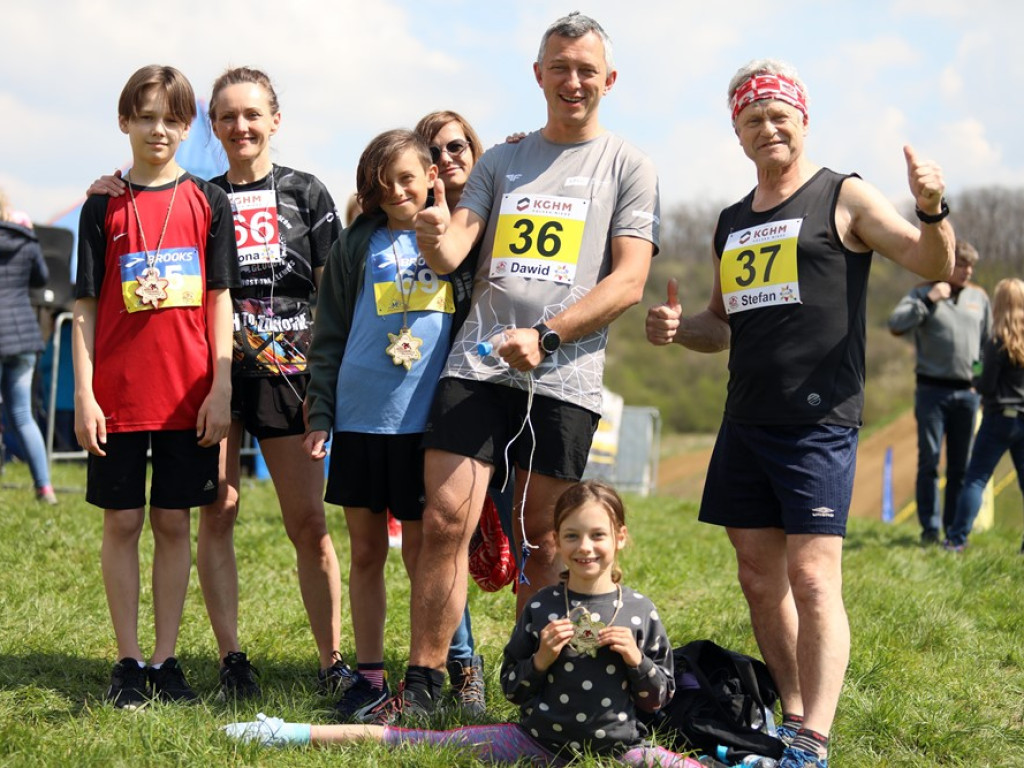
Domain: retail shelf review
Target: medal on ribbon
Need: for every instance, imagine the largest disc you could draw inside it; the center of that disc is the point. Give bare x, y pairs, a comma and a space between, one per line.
152, 288
404, 348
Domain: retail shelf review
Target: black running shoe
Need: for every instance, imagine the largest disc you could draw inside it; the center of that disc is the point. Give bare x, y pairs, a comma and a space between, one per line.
357, 703
128, 685
407, 705
238, 678
168, 683
337, 678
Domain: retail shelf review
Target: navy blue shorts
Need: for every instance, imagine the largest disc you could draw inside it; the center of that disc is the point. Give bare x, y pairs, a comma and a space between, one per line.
798, 478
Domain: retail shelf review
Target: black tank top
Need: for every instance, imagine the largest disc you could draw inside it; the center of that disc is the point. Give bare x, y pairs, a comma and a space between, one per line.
797, 306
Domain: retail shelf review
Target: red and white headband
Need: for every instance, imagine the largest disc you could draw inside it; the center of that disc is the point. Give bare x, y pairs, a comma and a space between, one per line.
762, 87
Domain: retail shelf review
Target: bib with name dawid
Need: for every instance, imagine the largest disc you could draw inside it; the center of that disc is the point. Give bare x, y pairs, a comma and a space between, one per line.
539, 236
759, 266
173, 280
256, 231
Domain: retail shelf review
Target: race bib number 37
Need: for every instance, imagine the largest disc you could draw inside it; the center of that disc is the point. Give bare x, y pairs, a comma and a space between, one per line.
759, 266
539, 236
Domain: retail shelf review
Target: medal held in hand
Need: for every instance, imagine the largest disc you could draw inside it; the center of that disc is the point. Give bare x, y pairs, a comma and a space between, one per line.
584, 641
404, 348
588, 625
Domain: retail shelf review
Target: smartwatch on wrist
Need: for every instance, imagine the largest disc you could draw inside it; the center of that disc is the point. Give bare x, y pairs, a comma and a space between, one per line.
933, 218
548, 339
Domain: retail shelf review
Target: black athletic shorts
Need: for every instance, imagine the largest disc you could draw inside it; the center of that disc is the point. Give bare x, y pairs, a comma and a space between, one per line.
269, 406
377, 472
184, 473
481, 420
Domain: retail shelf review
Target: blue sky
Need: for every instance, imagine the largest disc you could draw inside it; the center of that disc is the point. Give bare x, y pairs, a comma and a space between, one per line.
939, 75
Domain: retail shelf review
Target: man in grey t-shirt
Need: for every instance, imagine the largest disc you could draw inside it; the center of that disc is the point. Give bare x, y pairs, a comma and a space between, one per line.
566, 223
950, 320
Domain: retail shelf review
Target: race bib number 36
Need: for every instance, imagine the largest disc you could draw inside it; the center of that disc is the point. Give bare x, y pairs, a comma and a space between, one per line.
759, 266
539, 236
256, 233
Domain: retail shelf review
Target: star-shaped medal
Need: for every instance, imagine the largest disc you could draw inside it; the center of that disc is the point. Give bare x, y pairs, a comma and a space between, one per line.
585, 638
152, 287
404, 348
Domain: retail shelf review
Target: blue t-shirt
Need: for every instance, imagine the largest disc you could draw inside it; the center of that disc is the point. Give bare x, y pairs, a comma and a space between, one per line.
374, 395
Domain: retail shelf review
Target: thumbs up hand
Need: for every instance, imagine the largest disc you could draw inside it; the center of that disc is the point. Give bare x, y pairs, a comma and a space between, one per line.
431, 223
663, 319
926, 182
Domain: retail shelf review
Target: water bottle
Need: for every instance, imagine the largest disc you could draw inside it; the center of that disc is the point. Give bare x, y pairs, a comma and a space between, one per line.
486, 348
729, 756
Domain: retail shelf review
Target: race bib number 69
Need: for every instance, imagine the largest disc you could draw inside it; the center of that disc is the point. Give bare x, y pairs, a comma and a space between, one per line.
759, 266
539, 236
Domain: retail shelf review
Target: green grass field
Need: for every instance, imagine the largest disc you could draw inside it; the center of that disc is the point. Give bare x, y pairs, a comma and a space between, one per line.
936, 676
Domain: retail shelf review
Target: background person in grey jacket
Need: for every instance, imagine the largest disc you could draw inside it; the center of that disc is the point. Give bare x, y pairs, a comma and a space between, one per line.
950, 321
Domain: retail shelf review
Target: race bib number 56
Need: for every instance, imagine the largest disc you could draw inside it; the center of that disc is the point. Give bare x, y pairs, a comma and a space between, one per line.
759, 267
539, 236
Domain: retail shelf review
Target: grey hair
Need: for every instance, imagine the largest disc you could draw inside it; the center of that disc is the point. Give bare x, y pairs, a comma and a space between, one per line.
575, 26
765, 67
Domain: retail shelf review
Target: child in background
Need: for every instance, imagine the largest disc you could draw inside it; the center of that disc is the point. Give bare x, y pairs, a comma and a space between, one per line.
387, 318
152, 357
584, 656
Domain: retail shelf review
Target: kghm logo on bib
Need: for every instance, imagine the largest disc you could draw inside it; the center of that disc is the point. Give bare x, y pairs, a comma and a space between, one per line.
539, 237
759, 266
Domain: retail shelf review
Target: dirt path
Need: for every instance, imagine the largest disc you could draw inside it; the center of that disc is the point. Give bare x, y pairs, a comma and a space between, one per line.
683, 475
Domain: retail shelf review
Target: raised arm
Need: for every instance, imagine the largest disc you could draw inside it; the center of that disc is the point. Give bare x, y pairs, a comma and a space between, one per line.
444, 238
870, 219
706, 331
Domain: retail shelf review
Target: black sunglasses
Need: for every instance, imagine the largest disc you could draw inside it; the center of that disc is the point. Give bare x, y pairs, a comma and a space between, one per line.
454, 148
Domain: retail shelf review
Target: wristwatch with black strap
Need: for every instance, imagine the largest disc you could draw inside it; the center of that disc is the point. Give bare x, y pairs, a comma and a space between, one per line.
548, 339
933, 218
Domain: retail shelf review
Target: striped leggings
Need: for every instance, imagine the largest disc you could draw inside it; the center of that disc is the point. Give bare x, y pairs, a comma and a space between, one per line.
507, 743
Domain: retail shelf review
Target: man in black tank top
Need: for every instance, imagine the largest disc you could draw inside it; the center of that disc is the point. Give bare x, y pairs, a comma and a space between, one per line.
791, 267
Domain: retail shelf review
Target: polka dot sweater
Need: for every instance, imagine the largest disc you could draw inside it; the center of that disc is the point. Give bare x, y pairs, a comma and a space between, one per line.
583, 701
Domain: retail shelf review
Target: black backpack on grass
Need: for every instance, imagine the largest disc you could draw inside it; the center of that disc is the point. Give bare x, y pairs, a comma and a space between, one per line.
723, 698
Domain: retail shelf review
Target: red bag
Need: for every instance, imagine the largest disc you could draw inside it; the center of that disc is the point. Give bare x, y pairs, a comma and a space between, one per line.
491, 563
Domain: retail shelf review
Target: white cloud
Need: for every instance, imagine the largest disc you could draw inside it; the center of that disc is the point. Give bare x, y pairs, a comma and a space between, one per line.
347, 70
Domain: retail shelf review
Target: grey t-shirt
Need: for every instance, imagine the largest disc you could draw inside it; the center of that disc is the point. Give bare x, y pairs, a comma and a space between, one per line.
551, 212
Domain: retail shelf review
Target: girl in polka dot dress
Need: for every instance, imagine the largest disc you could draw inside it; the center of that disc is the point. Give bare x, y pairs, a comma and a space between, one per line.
584, 656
